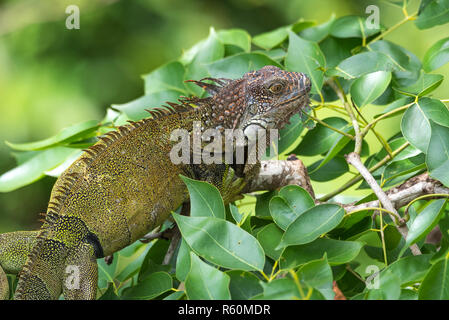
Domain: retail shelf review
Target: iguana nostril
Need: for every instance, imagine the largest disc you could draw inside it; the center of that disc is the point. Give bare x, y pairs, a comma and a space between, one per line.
307, 83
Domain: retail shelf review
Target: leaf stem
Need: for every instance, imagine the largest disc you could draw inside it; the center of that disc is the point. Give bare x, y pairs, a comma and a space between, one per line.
385, 115
298, 284
330, 127
264, 275
394, 27
382, 237
335, 84
397, 216
441, 195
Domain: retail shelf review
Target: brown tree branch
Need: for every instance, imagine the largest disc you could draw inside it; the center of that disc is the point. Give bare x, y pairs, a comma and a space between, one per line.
275, 174
401, 195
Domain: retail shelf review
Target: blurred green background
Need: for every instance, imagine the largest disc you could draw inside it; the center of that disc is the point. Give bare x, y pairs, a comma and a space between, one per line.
52, 77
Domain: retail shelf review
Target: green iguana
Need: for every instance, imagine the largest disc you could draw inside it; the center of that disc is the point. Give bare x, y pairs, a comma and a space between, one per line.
125, 185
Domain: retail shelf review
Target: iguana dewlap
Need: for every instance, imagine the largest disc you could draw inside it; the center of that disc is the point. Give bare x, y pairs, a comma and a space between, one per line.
126, 185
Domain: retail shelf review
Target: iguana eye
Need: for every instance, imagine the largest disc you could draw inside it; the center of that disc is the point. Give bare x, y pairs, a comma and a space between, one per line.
276, 87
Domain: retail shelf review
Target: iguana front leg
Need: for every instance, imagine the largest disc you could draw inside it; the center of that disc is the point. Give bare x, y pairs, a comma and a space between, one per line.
223, 177
81, 274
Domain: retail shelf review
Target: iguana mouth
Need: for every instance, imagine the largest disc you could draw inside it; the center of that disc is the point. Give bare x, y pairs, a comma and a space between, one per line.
296, 105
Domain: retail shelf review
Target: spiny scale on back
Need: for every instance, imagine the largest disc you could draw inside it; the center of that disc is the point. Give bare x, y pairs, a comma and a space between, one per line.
125, 185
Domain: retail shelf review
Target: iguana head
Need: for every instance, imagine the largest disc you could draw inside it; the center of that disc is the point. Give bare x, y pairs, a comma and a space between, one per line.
262, 99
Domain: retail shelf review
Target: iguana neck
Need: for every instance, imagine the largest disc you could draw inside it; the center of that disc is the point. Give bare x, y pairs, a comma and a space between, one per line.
224, 109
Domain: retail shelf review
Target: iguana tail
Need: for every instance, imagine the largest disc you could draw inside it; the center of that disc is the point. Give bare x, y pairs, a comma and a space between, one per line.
40, 277
62, 260
14, 250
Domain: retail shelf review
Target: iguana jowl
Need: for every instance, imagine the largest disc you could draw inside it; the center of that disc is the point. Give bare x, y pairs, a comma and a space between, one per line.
125, 185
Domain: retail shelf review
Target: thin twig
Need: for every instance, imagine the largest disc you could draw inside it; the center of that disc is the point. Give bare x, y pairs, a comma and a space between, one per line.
330, 127
354, 159
358, 178
341, 94
385, 115
397, 25
172, 247
176, 235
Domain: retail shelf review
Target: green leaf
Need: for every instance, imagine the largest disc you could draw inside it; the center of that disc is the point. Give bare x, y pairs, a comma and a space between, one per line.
263, 204
389, 288
318, 33
397, 55
337, 251
351, 27
33, 169
274, 38
410, 269
408, 294
177, 295
369, 87
235, 213
235, 66
435, 12
441, 173
183, 261
395, 105
277, 54
291, 202
280, 289
311, 224
402, 167
394, 144
437, 159
435, 285
169, 77
339, 145
406, 66
426, 83
361, 64
205, 282
130, 261
153, 286
237, 37
426, 220
320, 139
205, 199
336, 50
65, 136
244, 285
318, 275
135, 110
269, 237
334, 168
271, 39
415, 124
110, 293
306, 56
290, 133
210, 50
57, 171
221, 242
437, 55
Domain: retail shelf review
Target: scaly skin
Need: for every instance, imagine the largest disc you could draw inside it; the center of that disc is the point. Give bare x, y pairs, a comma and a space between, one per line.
126, 185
